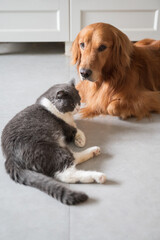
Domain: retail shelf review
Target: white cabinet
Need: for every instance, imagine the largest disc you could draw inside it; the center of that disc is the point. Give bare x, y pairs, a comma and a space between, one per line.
61, 20
34, 20
138, 19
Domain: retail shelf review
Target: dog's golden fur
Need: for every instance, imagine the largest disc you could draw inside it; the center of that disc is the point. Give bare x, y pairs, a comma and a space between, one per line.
125, 78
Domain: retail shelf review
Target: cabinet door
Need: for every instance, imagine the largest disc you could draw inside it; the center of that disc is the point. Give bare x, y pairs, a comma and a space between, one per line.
34, 20
138, 19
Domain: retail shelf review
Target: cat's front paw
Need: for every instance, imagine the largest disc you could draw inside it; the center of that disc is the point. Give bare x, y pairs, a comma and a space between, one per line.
100, 178
96, 151
80, 139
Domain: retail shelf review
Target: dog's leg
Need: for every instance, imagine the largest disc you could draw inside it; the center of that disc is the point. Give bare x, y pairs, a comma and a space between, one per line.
150, 101
125, 109
141, 105
89, 112
114, 109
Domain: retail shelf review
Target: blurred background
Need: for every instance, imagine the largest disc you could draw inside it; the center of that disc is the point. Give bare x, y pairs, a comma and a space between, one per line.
61, 20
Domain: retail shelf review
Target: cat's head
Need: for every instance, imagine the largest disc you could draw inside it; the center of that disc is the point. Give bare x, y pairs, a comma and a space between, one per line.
64, 97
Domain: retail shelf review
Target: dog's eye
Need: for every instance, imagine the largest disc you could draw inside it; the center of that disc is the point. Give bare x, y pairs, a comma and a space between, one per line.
101, 48
82, 45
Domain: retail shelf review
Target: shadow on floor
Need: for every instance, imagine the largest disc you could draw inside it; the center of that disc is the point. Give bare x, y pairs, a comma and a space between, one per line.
103, 133
31, 48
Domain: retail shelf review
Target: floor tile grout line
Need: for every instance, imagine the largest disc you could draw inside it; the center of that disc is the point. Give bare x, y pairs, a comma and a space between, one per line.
69, 220
69, 235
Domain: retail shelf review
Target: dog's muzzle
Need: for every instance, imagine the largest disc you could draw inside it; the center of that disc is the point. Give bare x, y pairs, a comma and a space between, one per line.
85, 73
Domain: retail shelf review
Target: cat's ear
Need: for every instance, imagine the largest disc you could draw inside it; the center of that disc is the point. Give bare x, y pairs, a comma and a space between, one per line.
72, 82
60, 94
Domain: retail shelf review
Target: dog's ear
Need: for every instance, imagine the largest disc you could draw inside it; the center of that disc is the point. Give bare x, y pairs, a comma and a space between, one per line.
75, 50
122, 49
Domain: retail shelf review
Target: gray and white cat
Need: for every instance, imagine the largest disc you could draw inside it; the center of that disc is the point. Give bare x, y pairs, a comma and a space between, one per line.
35, 141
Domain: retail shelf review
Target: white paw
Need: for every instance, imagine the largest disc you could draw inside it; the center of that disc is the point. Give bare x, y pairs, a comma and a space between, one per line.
88, 179
100, 178
80, 139
96, 151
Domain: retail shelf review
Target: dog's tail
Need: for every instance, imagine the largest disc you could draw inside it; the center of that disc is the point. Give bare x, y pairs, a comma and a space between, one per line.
149, 43
44, 183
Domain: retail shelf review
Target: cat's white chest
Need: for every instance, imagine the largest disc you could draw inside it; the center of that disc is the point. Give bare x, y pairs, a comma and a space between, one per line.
61, 141
66, 117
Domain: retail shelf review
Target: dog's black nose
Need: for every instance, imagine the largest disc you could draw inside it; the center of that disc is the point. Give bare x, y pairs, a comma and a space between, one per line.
85, 73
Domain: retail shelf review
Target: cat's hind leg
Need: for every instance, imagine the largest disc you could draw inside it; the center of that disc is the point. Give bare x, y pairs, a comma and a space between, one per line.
72, 175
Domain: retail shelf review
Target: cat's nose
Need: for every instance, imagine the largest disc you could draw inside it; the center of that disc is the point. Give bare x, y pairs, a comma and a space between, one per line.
85, 73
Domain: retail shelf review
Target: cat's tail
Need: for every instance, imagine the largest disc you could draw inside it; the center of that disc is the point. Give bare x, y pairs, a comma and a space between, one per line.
45, 184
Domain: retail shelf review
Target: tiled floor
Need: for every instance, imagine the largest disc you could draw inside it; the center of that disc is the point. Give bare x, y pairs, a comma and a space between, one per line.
127, 207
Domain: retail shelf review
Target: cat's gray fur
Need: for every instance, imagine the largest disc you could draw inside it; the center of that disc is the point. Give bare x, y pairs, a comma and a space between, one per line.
30, 143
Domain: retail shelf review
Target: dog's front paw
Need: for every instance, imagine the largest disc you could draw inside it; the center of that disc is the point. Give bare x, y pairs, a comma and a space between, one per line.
87, 112
120, 109
80, 139
114, 108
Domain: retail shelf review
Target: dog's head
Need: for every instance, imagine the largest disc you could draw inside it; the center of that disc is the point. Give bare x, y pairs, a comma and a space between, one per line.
100, 49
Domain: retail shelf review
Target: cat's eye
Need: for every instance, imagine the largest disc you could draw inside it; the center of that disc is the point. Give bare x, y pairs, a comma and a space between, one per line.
82, 45
101, 48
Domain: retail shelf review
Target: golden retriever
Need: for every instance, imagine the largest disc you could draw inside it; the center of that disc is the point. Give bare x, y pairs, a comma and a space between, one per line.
123, 79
